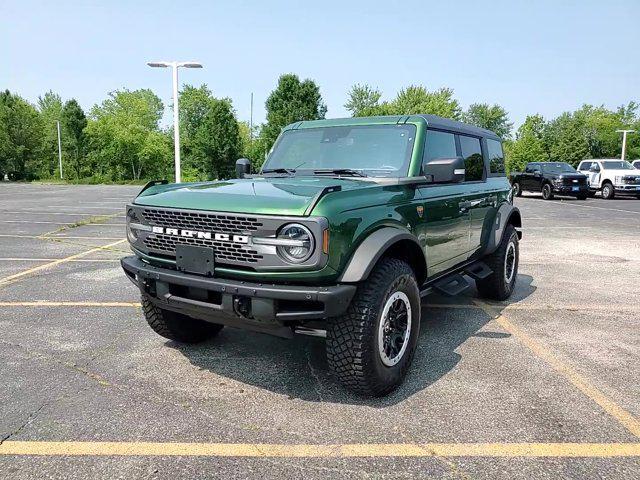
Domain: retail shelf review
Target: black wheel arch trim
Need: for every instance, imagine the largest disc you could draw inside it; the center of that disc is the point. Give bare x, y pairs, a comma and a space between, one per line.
506, 214
373, 249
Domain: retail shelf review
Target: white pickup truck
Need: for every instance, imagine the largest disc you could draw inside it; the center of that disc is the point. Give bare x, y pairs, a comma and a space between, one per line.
611, 177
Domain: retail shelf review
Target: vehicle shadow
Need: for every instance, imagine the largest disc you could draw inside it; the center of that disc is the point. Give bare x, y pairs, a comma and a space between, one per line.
298, 368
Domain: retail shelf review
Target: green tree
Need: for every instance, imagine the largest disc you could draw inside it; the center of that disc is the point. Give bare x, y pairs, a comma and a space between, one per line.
363, 101
528, 145
73, 122
291, 101
50, 107
125, 139
217, 143
491, 117
417, 99
567, 138
20, 136
253, 145
210, 134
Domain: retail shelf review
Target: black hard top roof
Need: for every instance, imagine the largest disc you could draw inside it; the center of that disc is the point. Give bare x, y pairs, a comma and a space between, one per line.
448, 124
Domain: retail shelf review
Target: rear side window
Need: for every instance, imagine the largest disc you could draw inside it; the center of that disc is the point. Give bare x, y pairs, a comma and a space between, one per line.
585, 166
496, 156
439, 145
473, 161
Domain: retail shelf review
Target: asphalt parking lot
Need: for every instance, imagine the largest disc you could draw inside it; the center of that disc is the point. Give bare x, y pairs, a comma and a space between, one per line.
546, 385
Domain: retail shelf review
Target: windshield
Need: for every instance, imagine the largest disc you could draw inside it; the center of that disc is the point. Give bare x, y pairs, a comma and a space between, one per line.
372, 150
617, 165
557, 168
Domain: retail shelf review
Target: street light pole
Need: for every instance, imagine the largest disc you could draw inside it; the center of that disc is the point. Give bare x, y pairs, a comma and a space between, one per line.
59, 148
176, 117
624, 140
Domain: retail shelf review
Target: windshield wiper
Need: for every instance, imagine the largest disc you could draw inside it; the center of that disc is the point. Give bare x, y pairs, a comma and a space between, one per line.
339, 171
288, 171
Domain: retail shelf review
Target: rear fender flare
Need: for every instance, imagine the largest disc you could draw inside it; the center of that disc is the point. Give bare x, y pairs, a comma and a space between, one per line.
506, 214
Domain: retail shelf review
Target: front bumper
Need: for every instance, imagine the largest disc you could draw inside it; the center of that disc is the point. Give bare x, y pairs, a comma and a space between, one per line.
569, 189
268, 308
627, 189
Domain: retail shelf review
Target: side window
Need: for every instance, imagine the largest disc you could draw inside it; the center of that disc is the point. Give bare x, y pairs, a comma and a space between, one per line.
496, 156
585, 166
439, 145
473, 161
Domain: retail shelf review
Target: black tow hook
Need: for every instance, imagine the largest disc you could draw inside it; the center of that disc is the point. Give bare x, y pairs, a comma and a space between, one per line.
242, 306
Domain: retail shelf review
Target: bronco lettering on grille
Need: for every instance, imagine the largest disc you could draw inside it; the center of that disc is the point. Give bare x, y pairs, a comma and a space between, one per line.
221, 237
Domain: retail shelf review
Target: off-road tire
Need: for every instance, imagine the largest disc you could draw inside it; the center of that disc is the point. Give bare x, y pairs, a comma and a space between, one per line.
608, 192
176, 326
496, 286
517, 189
352, 339
547, 192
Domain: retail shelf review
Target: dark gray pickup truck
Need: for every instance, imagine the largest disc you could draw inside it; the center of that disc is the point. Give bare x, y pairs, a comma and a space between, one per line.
550, 178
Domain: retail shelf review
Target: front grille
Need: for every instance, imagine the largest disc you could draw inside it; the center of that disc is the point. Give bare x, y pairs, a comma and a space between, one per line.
631, 180
571, 181
225, 252
206, 222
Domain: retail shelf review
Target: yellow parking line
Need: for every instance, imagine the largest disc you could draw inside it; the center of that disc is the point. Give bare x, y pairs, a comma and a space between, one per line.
69, 304
15, 276
599, 450
580, 382
576, 307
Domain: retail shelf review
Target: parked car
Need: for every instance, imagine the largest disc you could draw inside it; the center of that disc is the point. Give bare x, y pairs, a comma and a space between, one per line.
636, 164
550, 178
611, 177
349, 223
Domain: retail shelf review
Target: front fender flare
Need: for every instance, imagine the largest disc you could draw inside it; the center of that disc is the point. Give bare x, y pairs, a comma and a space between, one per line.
370, 251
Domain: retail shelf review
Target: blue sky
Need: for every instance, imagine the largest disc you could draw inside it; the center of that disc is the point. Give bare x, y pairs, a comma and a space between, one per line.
531, 57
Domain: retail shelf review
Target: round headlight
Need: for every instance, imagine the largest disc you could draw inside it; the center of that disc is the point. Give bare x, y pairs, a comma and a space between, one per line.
298, 243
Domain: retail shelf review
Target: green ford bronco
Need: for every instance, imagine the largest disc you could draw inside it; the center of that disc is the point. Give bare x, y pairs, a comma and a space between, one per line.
348, 225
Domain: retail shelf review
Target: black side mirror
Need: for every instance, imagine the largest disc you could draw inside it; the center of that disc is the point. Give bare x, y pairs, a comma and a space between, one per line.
445, 170
243, 167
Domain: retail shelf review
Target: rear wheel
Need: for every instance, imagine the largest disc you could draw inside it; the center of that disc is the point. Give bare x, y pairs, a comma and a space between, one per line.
176, 326
547, 192
608, 191
504, 263
517, 190
371, 346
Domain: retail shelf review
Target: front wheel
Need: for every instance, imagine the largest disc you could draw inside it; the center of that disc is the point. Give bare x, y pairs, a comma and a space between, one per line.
504, 263
371, 346
608, 191
547, 192
176, 326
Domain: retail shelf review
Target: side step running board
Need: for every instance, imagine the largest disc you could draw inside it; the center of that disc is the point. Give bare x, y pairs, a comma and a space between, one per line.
478, 271
452, 285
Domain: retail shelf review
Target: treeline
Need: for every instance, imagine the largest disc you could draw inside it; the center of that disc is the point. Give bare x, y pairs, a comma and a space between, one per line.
121, 139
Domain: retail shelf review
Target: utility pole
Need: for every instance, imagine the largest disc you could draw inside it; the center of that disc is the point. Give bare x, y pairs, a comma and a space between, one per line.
59, 148
176, 118
624, 140
251, 119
